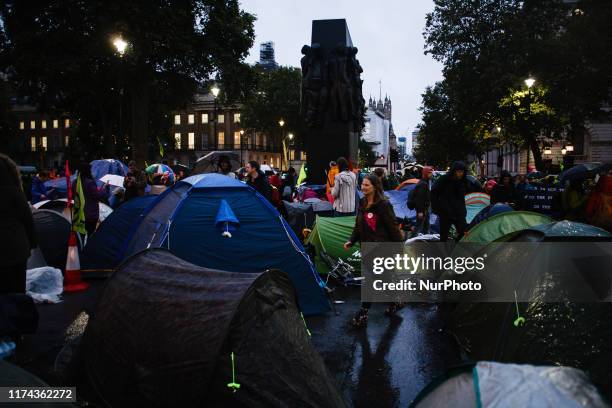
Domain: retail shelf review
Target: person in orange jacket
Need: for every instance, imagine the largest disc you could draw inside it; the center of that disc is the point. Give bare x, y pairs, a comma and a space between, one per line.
331, 176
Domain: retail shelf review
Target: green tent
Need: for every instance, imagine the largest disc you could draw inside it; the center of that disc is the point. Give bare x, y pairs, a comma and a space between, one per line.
329, 235
501, 225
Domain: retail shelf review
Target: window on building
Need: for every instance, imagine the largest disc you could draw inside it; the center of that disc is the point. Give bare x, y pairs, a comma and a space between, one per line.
221, 118
236, 117
43, 124
22, 125
32, 124
177, 140
44, 142
55, 123
191, 140
66, 123
191, 119
66, 140
291, 154
177, 119
221, 139
303, 156
205, 118
236, 139
33, 143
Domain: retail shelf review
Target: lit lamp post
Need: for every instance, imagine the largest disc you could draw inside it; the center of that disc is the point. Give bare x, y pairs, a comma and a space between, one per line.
121, 46
290, 137
529, 82
281, 123
215, 91
242, 140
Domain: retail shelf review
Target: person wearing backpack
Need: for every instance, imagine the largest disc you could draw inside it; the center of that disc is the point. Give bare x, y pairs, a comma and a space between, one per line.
420, 201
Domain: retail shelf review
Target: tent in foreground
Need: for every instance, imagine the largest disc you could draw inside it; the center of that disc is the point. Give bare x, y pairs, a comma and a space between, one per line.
175, 348
103, 249
184, 220
495, 385
559, 332
328, 237
52, 231
503, 224
474, 203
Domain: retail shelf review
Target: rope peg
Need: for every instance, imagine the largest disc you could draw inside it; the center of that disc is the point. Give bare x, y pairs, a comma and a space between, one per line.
234, 386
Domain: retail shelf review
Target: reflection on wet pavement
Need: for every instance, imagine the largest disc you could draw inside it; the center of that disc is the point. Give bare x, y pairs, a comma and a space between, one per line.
388, 362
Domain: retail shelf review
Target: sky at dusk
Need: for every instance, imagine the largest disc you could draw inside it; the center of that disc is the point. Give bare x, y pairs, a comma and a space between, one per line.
388, 35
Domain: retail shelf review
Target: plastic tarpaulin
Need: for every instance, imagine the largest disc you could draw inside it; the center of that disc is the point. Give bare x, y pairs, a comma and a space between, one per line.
329, 235
164, 331
504, 224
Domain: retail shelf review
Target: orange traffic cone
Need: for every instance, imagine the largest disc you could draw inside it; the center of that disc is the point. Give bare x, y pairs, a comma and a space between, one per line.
72, 277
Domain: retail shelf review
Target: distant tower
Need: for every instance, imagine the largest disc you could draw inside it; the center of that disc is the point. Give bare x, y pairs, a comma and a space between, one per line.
387, 108
266, 56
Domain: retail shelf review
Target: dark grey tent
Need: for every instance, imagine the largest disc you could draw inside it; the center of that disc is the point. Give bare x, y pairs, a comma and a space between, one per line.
164, 330
496, 385
299, 216
52, 233
559, 332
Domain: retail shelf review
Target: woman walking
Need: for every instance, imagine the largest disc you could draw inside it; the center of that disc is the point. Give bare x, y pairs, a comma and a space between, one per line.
375, 222
16, 229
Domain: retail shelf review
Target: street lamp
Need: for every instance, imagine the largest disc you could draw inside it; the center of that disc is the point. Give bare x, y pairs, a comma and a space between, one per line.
547, 150
120, 45
215, 91
290, 137
569, 147
530, 82
281, 123
241, 146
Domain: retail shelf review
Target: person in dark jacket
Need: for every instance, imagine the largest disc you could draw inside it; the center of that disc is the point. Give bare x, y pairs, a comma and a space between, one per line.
17, 235
93, 196
258, 180
448, 200
422, 202
375, 222
39, 190
504, 191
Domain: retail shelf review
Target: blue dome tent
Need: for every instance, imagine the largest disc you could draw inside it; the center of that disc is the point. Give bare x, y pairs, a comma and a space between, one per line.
103, 248
184, 220
100, 168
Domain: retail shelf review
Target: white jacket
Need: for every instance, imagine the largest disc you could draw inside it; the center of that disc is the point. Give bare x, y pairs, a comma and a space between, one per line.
343, 191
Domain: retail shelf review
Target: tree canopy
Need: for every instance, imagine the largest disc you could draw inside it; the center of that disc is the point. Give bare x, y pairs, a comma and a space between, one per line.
60, 55
489, 47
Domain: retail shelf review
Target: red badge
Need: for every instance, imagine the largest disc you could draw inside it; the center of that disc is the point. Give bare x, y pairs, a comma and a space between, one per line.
371, 220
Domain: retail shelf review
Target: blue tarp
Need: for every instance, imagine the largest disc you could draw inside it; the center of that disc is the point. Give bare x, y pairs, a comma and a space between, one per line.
183, 221
59, 184
100, 168
399, 201
104, 246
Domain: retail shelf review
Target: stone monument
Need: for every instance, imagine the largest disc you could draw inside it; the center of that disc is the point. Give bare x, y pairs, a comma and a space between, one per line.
332, 102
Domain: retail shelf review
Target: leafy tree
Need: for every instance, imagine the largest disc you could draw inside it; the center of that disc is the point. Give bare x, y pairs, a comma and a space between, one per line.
489, 47
60, 54
276, 95
367, 157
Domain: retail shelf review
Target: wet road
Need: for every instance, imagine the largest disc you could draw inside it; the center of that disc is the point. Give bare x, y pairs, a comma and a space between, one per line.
388, 362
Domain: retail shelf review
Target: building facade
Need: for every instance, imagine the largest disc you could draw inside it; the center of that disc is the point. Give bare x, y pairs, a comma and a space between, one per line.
205, 126
42, 138
267, 60
378, 132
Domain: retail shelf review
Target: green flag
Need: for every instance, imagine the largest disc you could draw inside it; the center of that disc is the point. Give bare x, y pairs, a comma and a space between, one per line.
302, 175
78, 222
